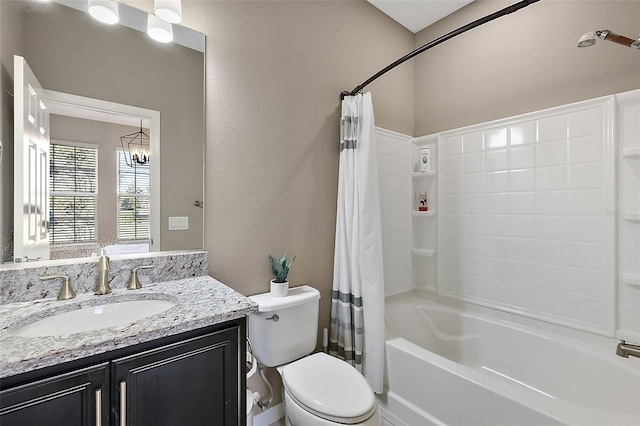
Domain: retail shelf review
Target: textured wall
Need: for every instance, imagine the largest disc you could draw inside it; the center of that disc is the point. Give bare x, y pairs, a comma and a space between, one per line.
522, 62
274, 74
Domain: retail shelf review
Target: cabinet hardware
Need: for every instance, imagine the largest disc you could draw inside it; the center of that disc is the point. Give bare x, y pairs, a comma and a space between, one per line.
274, 318
123, 403
98, 407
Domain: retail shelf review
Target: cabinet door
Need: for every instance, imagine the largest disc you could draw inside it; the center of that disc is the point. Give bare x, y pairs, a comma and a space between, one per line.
193, 382
78, 398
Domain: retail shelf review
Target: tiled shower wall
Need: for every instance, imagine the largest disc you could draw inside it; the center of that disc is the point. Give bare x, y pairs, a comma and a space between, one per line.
523, 215
394, 178
628, 215
537, 215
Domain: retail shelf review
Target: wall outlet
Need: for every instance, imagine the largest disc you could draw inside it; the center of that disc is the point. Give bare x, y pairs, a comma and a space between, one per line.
178, 223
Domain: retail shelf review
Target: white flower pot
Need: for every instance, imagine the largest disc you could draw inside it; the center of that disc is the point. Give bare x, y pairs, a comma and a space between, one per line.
279, 289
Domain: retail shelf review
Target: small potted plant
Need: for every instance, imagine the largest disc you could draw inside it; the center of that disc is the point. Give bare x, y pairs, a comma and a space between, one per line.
280, 270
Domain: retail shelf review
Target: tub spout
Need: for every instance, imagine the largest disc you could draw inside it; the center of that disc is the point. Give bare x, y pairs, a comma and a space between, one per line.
624, 350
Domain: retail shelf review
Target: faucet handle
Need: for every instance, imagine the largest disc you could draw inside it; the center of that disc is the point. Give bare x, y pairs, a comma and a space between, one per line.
66, 292
134, 282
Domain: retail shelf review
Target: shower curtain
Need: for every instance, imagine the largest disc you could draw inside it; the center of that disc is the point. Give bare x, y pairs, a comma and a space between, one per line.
357, 299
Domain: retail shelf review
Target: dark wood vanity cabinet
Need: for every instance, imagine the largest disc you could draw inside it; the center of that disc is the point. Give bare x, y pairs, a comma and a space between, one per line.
194, 380
76, 398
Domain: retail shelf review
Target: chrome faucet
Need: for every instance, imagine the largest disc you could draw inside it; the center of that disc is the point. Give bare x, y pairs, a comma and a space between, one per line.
103, 275
66, 292
624, 350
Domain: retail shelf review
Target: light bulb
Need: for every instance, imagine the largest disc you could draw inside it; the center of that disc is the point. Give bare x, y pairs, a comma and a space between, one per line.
159, 30
168, 10
104, 11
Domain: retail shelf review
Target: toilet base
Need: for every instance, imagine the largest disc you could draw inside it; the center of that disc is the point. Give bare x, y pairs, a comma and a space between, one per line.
295, 415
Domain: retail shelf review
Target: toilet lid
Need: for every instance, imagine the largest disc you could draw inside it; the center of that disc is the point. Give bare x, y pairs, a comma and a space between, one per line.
329, 388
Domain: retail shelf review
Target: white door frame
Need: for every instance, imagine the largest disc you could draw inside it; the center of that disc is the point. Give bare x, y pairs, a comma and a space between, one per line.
95, 109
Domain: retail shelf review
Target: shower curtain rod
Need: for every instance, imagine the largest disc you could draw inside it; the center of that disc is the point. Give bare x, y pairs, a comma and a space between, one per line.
507, 10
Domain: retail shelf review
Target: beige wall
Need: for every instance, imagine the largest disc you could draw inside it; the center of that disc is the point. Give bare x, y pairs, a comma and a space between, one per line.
523, 62
70, 52
274, 74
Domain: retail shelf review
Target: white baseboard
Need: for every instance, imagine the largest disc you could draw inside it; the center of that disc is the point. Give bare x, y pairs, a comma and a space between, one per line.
269, 416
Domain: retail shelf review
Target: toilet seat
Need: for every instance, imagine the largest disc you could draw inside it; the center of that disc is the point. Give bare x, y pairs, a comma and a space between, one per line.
329, 388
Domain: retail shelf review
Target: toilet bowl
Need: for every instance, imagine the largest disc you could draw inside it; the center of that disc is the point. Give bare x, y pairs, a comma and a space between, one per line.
318, 389
323, 390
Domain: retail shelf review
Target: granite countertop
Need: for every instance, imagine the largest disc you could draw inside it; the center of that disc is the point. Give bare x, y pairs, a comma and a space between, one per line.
199, 302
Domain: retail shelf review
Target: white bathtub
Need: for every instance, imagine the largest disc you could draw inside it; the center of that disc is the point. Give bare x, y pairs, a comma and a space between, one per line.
446, 366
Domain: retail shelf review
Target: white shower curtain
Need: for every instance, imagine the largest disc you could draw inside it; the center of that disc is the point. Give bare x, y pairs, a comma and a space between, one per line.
357, 300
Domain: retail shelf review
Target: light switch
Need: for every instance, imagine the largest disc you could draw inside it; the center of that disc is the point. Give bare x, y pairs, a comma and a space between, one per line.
178, 223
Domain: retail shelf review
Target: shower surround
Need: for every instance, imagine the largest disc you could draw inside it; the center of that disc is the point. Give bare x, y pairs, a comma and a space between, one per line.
523, 223
536, 215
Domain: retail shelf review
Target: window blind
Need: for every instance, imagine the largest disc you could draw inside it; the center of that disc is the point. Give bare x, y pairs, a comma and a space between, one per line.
133, 200
73, 193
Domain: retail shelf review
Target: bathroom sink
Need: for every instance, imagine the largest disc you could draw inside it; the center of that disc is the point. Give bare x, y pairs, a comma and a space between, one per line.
93, 318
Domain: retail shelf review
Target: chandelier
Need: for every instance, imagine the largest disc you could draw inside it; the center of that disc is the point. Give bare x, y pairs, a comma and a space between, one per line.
136, 148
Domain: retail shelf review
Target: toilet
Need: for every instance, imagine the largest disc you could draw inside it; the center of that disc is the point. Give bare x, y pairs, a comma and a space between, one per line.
318, 389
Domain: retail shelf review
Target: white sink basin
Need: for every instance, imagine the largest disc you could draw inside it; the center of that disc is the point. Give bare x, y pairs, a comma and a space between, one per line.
93, 318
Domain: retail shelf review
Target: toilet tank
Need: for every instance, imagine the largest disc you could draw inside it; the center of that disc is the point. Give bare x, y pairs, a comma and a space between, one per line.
284, 328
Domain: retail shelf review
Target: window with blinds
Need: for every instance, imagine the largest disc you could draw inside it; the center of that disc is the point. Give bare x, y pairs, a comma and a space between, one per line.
73, 193
133, 200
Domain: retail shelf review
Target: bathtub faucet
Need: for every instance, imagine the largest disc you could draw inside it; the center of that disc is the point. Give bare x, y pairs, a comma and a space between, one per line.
624, 350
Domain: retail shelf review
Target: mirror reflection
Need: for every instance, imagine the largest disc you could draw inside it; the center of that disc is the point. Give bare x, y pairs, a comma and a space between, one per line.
126, 83
82, 190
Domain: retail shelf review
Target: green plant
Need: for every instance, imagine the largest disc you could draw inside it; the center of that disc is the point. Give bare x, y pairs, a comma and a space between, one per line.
280, 268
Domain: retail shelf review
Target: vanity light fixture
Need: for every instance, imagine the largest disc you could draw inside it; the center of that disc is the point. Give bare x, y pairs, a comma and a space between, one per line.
104, 11
168, 10
136, 148
159, 30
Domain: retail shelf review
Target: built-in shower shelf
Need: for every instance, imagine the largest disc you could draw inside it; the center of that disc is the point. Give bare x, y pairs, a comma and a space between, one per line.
423, 174
631, 153
418, 213
631, 217
631, 279
423, 252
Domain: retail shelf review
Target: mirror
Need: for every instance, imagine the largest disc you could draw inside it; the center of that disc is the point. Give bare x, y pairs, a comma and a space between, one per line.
71, 53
